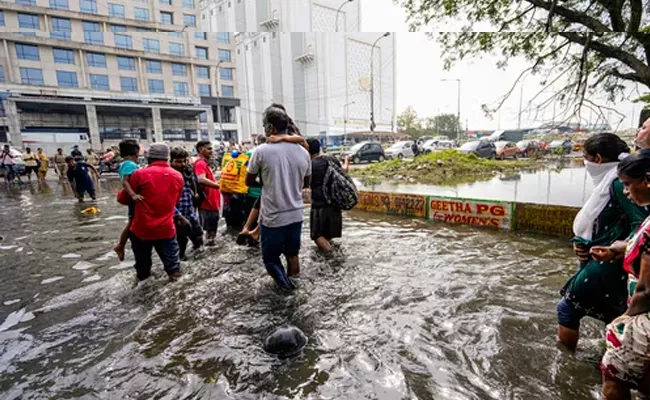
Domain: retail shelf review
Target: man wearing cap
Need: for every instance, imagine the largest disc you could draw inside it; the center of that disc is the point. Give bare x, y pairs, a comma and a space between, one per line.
153, 222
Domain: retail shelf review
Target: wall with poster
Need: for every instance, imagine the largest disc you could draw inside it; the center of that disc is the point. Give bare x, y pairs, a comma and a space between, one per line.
492, 214
410, 205
545, 219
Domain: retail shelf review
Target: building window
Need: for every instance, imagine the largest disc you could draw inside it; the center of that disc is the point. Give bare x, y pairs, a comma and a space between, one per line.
31, 76
189, 20
203, 117
126, 63
59, 4
26, 2
223, 37
224, 55
225, 74
123, 41
175, 34
141, 14
28, 21
166, 2
154, 67
227, 91
201, 35
176, 49
156, 86
61, 35
67, 79
166, 18
128, 84
63, 56
115, 10
118, 28
203, 72
180, 89
99, 82
2, 73
61, 24
188, 3
92, 35
179, 69
96, 60
2, 18
151, 46
27, 52
143, 30
202, 53
88, 6
204, 90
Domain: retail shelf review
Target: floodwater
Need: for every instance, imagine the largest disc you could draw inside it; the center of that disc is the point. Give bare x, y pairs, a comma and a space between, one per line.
570, 186
405, 309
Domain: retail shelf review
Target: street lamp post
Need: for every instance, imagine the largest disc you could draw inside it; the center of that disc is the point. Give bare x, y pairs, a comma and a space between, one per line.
372, 81
216, 78
345, 118
339, 11
458, 105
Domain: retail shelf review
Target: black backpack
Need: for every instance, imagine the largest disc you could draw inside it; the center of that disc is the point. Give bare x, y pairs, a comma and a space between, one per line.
338, 187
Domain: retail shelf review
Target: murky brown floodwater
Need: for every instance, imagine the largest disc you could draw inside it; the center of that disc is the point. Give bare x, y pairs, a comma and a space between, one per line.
406, 309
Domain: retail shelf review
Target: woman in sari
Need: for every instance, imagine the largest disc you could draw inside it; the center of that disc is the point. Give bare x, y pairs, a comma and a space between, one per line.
598, 289
626, 364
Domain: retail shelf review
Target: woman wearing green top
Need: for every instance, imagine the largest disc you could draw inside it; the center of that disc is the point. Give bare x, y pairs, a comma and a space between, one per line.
598, 289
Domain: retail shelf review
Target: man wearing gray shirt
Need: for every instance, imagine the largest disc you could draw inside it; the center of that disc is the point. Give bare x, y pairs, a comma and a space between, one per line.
285, 169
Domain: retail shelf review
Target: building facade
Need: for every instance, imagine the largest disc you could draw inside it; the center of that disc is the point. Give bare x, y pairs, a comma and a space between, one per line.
312, 58
110, 70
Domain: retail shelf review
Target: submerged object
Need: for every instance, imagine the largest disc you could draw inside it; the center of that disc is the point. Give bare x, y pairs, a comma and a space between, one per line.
91, 210
285, 341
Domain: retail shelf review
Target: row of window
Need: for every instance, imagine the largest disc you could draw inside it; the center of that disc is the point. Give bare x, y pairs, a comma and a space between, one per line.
30, 52
114, 9
34, 76
31, 21
66, 56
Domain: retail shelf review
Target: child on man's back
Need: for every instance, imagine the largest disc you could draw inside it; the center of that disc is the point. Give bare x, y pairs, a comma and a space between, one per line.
129, 151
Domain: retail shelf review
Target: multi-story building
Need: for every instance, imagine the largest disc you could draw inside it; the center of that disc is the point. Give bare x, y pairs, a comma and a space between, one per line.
113, 70
291, 52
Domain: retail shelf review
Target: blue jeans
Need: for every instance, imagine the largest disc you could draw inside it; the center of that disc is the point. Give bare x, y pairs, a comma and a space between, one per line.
167, 250
276, 242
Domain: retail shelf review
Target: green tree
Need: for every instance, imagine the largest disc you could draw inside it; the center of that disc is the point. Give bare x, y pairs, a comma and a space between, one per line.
596, 45
447, 124
409, 123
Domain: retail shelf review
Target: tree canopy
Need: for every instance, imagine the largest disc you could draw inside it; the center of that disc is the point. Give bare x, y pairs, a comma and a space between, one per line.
410, 123
595, 45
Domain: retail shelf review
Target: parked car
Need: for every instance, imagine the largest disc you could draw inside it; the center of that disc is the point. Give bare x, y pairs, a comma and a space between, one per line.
506, 150
365, 151
400, 150
435, 145
527, 147
482, 148
565, 145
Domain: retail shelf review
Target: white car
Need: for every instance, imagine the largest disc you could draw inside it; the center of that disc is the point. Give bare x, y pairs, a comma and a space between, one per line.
400, 150
437, 145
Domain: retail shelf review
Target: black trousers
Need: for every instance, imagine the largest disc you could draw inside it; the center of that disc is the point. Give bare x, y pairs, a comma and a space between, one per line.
185, 233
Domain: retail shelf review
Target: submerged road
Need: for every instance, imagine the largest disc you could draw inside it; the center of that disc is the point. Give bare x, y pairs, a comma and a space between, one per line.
404, 309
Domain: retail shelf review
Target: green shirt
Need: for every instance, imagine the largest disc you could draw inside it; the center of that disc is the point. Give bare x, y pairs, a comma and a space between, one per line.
599, 288
255, 190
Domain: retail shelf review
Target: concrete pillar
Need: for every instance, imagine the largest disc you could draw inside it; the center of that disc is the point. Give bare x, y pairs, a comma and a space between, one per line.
210, 122
157, 124
93, 127
85, 79
13, 120
9, 70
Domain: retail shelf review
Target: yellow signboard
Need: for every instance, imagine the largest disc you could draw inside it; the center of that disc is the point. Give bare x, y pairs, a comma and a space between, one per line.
545, 219
411, 205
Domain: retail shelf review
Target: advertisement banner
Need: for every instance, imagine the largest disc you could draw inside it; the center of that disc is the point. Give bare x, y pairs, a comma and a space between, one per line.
492, 214
410, 205
545, 219
233, 173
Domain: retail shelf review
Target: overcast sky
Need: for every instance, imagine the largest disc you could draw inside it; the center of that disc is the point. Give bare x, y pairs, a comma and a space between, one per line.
420, 70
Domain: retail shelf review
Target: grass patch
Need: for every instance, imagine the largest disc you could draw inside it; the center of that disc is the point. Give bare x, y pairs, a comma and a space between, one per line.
440, 168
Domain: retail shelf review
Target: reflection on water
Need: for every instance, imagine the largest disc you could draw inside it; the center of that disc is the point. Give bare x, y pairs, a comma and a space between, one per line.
568, 187
405, 309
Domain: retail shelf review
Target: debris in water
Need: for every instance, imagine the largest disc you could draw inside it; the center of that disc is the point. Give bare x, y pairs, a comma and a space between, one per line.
286, 341
91, 211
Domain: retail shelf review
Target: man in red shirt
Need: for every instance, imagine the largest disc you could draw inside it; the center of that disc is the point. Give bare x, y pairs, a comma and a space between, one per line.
153, 222
209, 209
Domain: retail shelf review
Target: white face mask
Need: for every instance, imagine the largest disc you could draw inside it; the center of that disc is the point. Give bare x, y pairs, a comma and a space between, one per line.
598, 171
